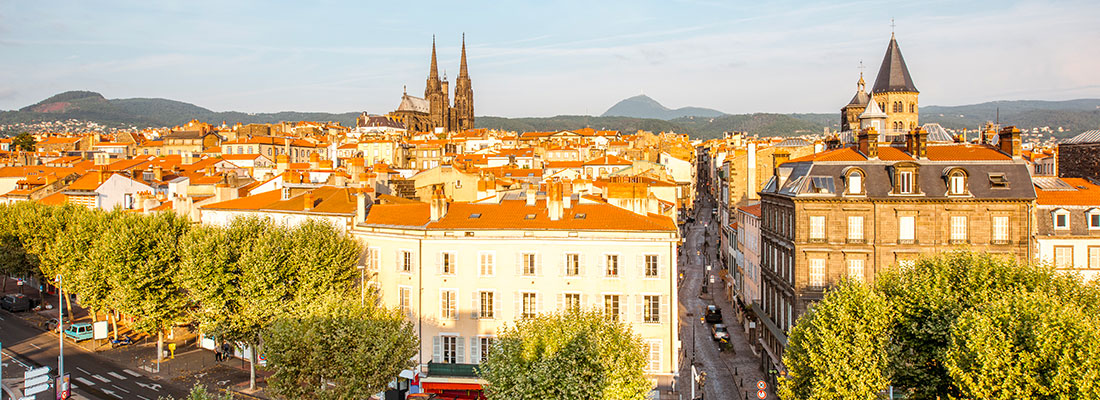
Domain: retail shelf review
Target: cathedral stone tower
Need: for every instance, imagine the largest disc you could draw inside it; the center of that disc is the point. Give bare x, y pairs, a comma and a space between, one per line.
433, 92
894, 90
463, 111
849, 115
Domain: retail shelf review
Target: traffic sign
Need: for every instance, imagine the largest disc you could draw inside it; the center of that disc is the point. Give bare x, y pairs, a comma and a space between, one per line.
63, 387
30, 391
38, 380
35, 372
760, 394
761, 385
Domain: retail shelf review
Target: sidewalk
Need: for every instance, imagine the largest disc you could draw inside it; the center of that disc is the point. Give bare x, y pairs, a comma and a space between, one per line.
190, 365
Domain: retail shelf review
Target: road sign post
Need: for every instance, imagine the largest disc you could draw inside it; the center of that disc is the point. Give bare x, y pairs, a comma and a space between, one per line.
62, 387
36, 381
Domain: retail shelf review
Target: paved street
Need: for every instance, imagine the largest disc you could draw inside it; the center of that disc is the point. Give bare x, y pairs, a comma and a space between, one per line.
93, 377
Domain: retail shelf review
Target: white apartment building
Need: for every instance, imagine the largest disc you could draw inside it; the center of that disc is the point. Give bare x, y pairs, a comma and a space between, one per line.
464, 271
1067, 220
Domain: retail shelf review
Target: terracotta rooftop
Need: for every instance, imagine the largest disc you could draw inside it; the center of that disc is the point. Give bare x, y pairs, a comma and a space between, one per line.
1080, 192
515, 214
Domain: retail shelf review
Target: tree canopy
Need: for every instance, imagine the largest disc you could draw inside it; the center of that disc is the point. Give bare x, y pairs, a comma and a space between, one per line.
571, 355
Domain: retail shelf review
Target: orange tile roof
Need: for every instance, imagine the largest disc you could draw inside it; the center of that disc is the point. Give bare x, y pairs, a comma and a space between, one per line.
326, 199
965, 152
254, 202
608, 160
753, 210
887, 153
564, 164
512, 215
1089, 196
841, 154
89, 182
55, 199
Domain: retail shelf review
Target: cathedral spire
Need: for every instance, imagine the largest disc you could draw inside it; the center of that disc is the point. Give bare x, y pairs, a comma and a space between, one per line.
893, 74
462, 66
433, 73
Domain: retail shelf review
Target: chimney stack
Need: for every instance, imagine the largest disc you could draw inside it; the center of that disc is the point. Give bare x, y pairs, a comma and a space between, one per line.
362, 205
1010, 141
868, 143
307, 199
554, 206
988, 132
778, 158
314, 161
532, 192
438, 204
917, 143
567, 196
282, 163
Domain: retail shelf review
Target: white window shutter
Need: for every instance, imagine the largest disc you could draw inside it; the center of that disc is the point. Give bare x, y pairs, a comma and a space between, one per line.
436, 350
660, 268
640, 265
561, 301
623, 308
638, 310
474, 313
475, 350
399, 260
461, 350
664, 310
580, 264
496, 307
538, 264
538, 303
519, 264
439, 264
563, 265
584, 301
519, 305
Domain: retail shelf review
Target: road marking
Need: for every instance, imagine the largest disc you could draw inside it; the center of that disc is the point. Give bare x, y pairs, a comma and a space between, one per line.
35, 346
142, 397
116, 375
84, 381
116, 387
132, 373
151, 386
83, 370
101, 379
112, 393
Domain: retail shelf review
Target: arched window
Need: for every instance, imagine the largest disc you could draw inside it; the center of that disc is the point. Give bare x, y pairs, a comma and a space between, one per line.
956, 182
913, 108
855, 182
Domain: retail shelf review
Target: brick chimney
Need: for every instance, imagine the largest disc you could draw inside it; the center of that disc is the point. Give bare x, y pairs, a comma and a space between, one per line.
868, 143
438, 204
917, 143
532, 193
779, 157
362, 204
567, 195
307, 200
554, 207
314, 161
1010, 141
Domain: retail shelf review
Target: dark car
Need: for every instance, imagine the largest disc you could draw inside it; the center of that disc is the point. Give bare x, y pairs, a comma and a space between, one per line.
719, 331
18, 303
713, 314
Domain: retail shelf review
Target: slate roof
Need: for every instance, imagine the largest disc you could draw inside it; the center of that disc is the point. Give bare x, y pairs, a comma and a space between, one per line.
893, 75
1092, 136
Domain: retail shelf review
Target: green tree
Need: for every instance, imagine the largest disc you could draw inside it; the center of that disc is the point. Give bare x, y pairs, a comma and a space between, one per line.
338, 348
838, 349
572, 355
198, 392
1026, 345
24, 141
930, 296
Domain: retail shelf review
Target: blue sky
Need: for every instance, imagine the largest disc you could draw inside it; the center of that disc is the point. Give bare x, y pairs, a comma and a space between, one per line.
544, 58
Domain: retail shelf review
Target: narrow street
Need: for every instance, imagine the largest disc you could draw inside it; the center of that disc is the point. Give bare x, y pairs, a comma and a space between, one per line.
731, 375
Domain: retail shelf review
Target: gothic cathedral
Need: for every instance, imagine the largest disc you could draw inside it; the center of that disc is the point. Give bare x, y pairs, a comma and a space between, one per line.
435, 109
893, 92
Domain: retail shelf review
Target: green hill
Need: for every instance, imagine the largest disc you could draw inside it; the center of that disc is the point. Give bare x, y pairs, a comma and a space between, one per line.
643, 106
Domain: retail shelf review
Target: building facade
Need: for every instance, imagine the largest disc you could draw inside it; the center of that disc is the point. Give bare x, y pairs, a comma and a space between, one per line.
435, 110
851, 212
1067, 220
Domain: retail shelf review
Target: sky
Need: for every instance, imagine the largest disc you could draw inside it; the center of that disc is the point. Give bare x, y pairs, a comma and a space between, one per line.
544, 58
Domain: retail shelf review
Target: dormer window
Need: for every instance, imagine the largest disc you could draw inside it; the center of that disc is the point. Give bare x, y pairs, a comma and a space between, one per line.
1061, 219
855, 182
1093, 216
905, 182
906, 178
956, 182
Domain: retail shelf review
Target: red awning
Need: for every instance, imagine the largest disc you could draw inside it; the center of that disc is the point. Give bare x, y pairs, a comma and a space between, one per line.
449, 386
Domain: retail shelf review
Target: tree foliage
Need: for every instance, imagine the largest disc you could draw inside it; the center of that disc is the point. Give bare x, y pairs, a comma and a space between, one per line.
966, 325
24, 141
338, 348
571, 355
838, 348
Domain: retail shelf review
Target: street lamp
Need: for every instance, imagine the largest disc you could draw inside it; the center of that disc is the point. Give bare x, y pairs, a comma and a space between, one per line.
362, 283
60, 330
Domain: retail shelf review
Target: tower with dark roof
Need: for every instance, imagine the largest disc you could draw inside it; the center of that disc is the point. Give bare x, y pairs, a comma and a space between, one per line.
849, 114
894, 90
463, 113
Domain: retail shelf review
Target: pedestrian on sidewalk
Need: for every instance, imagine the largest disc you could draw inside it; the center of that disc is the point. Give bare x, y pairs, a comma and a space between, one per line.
226, 351
217, 354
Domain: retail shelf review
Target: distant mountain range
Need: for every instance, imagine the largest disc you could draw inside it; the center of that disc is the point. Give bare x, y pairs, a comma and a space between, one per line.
629, 115
642, 106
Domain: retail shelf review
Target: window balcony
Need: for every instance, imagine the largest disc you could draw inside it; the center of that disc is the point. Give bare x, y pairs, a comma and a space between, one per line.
816, 240
958, 241
857, 241
907, 241
1000, 242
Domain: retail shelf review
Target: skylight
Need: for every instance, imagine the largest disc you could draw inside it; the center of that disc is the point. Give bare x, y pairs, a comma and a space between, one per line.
529, 216
580, 216
475, 215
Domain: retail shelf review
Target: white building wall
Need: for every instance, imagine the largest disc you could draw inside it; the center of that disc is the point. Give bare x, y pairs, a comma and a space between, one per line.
1080, 254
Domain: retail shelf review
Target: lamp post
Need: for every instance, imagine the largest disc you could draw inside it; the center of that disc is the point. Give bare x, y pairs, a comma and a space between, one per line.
60, 330
362, 284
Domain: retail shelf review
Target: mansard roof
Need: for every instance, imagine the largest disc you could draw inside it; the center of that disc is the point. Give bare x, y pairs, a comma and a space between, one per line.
893, 75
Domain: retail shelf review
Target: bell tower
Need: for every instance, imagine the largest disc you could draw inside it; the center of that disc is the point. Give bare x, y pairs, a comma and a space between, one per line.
464, 96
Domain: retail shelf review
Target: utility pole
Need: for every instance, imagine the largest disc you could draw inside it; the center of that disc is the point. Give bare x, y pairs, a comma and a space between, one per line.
60, 330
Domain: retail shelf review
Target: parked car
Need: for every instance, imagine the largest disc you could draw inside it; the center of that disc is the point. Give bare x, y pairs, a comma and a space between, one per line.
18, 302
51, 324
713, 314
79, 331
719, 331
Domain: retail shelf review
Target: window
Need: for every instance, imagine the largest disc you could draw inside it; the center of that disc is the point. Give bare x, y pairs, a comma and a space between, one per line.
485, 346
529, 306
651, 308
906, 229
855, 229
913, 107
406, 261
654, 347
817, 227
572, 264
855, 269
446, 263
372, 259
572, 301
612, 265
1094, 257
651, 269
817, 272
529, 264
403, 298
450, 349
998, 181
1063, 257
1061, 219
486, 305
958, 228
957, 183
855, 182
1000, 229
611, 306
905, 182
447, 304
1094, 218
485, 263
